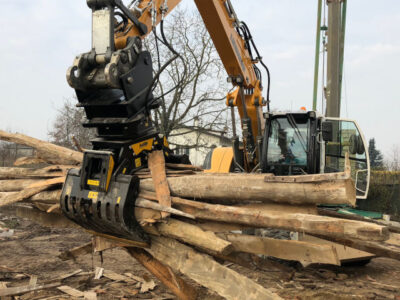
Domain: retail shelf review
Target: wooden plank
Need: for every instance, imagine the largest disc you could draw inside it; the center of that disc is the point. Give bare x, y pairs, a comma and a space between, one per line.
14, 291
304, 252
49, 152
156, 162
242, 188
207, 272
31, 190
176, 284
71, 291
194, 235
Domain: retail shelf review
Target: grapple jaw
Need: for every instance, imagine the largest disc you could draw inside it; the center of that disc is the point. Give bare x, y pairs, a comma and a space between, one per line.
102, 201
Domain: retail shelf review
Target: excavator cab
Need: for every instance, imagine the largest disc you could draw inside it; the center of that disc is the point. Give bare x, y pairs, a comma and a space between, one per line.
308, 143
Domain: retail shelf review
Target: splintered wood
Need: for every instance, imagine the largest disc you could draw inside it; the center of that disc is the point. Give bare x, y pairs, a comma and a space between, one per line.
193, 218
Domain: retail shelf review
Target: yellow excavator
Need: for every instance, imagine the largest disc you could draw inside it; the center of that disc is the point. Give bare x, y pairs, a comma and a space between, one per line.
114, 84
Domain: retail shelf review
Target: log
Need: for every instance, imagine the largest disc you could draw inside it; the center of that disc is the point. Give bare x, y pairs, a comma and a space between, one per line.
393, 226
32, 190
21, 173
260, 218
45, 219
24, 161
47, 196
194, 235
304, 252
16, 185
49, 152
156, 162
322, 189
176, 284
183, 167
207, 272
140, 202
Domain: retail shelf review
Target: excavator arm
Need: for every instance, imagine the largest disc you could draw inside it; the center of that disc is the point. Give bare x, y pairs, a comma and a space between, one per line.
114, 84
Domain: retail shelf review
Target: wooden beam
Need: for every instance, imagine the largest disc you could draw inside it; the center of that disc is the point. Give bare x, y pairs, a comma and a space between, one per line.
207, 272
242, 188
304, 252
194, 235
156, 162
14, 291
176, 284
49, 152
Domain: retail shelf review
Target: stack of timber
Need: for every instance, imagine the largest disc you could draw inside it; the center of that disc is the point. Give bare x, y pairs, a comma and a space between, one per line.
194, 219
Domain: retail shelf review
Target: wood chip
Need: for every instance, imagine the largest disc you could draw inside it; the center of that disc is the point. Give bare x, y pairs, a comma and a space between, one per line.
147, 286
98, 273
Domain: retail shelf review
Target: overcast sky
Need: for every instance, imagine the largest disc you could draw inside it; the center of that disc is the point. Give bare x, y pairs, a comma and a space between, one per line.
40, 39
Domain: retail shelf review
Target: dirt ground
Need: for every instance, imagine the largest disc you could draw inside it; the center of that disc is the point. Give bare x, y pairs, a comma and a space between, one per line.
33, 250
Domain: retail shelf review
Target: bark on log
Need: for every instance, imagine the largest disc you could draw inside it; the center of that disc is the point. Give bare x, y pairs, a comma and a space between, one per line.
304, 252
259, 218
205, 271
22, 173
32, 190
47, 196
24, 161
49, 152
252, 187
15, 185
194, 235
176, 284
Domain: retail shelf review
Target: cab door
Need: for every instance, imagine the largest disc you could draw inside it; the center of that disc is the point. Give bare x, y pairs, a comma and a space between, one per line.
347, 137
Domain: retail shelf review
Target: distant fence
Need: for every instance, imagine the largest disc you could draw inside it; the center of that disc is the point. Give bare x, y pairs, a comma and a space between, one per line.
9, 152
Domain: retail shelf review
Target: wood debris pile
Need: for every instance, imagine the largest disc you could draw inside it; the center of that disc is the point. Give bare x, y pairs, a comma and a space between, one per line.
194, 218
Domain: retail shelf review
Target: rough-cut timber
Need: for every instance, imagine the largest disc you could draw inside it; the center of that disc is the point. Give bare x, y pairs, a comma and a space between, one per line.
194, 235
156, 162
304, 252
251, 187
207, 272
49, 152
260, 218
15, 185
176, 284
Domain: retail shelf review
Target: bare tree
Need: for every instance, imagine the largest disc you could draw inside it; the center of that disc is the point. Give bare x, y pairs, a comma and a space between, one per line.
68, 124
198, 76
393, 159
